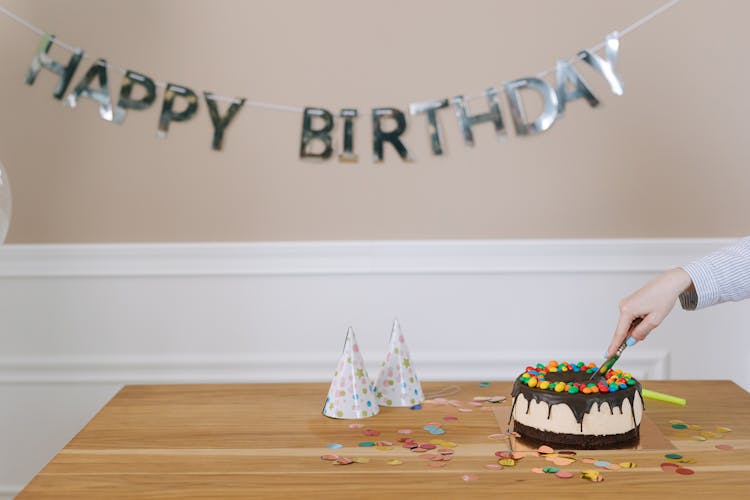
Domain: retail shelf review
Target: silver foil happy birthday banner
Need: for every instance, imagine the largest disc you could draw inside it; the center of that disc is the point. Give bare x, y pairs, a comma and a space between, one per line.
180, 103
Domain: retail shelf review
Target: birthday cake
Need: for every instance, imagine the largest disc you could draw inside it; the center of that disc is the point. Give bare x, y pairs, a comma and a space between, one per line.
558, 404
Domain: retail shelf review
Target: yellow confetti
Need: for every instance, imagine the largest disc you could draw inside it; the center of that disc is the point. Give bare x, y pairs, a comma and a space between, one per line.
507, 462
394, 461
723, 429
628, 465
694, 427
384, 448
361, 460
676, 421
592, 475
709, 434
698, 438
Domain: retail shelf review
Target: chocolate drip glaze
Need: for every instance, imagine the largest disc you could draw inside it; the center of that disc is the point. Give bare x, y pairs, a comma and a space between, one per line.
580, 404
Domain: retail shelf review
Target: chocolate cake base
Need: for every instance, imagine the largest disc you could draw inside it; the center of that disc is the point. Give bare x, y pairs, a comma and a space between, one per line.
579, 441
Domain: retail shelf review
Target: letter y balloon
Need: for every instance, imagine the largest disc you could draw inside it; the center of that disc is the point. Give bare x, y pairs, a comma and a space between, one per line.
5, 203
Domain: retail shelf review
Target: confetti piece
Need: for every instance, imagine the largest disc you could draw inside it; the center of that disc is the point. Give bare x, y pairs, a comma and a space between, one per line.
384, 448
628, 465
589, 460
437, 432
669, 466
507, 462
679, 426
694, 427
592, 475
329, 457
465, 410
563, 460
563, 474
484, 384
709, 435
404, 431
356, 426
470, 477
361, 460
603, 463
416, 407
367, 443
446, 451
724, 447
673, 456
551, 470
343, 461
394, 461
545, 449
428, 446
450, 419
493, 467
613, 467
335, 446
676, 421
684, 471
371, 432
698, 438
723, 429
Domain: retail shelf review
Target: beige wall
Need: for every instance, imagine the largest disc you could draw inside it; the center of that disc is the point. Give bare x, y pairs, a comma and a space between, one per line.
669, 158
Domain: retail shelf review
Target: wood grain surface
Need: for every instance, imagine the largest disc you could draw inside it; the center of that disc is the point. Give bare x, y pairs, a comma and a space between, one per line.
266, 440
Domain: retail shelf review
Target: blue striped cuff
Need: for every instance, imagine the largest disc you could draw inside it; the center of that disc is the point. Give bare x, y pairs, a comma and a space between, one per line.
706, 288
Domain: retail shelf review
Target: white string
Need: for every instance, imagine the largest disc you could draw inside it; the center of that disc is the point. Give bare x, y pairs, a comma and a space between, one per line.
596, 48
297, 109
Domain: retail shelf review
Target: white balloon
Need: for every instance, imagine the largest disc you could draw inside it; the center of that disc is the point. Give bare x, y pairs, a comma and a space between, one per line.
5, 204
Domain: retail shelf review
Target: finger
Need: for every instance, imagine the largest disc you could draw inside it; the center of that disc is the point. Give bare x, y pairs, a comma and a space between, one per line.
642, 330
623, 325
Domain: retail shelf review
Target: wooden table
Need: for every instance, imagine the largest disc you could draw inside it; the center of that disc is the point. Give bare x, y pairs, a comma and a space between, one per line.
266, 440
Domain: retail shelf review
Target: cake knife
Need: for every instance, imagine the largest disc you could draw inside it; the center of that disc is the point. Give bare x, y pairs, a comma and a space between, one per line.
607, 365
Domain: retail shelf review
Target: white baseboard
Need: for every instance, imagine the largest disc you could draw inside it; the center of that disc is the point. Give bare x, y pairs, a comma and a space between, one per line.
8, 491
352, 258
289, 367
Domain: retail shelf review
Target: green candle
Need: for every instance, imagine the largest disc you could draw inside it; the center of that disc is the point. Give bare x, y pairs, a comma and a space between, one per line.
660, 396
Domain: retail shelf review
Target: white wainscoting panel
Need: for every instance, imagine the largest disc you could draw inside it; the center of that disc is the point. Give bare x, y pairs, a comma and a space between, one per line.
79, 321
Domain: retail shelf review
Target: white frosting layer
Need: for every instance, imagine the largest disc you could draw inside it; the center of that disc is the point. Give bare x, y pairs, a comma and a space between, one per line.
600, 421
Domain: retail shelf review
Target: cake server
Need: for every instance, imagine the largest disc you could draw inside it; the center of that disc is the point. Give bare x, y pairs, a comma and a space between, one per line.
609, 363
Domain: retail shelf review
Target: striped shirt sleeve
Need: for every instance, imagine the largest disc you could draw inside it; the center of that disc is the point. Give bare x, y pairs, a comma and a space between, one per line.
718, 277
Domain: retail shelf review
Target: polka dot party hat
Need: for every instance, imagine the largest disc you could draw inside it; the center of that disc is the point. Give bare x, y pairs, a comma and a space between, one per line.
398, 384
351, 394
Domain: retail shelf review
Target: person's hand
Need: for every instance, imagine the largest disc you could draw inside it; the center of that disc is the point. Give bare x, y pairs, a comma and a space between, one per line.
652, 303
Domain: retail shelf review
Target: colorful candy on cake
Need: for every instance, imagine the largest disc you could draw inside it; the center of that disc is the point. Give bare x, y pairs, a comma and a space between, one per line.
558, 404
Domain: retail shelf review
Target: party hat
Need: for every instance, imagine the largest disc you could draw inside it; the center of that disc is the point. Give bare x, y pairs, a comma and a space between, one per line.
351, 394
398, 384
